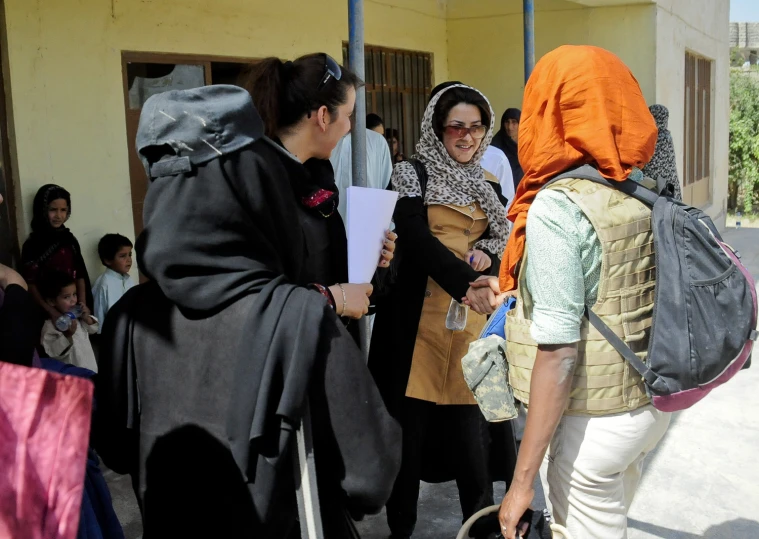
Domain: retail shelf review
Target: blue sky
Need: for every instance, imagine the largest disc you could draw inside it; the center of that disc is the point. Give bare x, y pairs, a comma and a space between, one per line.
744, 10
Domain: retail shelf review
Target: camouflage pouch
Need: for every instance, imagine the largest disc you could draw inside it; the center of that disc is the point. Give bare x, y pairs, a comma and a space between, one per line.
487, 374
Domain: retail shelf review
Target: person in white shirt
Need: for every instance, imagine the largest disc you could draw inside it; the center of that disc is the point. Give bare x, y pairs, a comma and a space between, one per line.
496, 162
375, 123
115, 253
379, 166
72, 345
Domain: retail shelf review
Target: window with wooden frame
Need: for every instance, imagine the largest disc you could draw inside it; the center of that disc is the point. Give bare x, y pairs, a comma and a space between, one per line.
398, 84
148, 74
697, 140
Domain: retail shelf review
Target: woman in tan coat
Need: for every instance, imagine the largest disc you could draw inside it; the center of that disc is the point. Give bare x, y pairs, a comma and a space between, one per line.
450, 221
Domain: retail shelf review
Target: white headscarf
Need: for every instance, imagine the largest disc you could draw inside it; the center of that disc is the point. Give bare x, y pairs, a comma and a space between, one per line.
451, 182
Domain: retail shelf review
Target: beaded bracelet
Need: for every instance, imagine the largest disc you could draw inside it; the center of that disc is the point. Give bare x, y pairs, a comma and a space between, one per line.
326, 292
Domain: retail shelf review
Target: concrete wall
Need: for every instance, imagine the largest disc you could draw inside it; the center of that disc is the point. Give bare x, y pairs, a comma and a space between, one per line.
497, 68
744, 35
700, 27
66, 84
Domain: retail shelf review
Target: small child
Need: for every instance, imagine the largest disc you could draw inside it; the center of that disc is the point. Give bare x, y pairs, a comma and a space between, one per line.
73, 345
115, 253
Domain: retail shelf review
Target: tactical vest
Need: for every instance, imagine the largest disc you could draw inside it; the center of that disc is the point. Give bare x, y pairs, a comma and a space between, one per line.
604, 383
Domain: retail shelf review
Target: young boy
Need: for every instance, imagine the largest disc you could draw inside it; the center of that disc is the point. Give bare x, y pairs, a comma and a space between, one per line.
115, 253
73, 345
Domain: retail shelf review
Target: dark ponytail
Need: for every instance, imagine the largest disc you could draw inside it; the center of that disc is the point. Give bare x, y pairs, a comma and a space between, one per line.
285, 92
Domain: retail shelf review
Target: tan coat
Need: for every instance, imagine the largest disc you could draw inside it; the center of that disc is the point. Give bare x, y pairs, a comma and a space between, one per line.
436, 374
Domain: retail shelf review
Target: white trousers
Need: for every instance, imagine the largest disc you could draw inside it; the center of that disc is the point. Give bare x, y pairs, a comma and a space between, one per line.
593, 466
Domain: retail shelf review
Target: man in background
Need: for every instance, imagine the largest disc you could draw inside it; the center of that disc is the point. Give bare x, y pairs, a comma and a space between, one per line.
375, 123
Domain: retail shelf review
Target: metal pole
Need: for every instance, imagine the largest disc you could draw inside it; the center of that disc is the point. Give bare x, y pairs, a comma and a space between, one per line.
356, 60
529, 37
306, 488
358, 135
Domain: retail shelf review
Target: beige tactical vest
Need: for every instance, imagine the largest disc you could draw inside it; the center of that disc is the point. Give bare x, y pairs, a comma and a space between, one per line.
604, 383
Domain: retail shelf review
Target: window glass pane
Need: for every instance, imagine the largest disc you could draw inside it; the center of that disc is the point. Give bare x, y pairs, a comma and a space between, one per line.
146, 80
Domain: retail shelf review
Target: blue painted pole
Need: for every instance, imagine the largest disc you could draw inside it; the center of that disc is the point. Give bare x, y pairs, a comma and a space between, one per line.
356, 60
529, 37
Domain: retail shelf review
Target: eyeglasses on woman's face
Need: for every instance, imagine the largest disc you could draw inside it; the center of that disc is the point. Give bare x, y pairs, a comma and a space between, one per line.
476, 131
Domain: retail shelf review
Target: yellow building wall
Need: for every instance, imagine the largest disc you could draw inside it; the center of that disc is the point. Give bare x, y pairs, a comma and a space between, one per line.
487, 50
699, 27
66, 86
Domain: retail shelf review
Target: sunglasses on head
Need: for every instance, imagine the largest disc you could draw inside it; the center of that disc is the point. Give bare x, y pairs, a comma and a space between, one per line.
477, 131
331, 71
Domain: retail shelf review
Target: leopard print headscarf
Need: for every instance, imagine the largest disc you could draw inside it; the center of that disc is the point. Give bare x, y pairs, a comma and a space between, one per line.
663, 165
450, 182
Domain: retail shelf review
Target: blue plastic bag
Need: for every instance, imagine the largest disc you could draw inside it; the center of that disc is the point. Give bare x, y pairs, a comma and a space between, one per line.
497, 322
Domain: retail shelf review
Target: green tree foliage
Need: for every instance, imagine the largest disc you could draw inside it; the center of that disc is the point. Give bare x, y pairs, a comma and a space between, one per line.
736, 57
744, 140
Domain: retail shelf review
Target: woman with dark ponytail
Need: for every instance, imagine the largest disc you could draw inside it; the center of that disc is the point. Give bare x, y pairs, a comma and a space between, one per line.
306, 107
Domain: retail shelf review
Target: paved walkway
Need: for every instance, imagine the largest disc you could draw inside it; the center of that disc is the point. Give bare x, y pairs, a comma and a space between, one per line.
703, 480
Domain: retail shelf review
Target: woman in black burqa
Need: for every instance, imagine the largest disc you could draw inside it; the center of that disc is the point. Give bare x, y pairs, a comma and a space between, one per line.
206, 368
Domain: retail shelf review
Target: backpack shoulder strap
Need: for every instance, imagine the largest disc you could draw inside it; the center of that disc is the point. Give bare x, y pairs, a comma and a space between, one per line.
421, 174
629, 187
621, 347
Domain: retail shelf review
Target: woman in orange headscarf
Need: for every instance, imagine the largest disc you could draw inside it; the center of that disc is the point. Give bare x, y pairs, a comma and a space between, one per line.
589, 247
581, 105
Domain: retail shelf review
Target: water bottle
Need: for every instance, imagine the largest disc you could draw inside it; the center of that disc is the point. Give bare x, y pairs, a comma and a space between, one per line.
455, 320
63, 323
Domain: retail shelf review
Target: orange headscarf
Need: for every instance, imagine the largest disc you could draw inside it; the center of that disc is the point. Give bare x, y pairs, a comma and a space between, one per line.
581, 105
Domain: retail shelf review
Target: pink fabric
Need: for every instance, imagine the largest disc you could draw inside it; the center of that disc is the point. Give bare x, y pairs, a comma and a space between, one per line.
44, 434
686, 399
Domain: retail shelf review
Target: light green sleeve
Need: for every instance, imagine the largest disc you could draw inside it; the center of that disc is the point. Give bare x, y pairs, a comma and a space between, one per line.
563, 267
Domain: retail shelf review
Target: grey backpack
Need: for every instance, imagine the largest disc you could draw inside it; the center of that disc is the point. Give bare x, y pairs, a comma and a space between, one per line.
705, 305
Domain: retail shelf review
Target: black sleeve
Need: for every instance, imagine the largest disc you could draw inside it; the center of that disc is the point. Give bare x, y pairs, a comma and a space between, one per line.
422, 248
116, 421
357, 443
499, 193
19, 326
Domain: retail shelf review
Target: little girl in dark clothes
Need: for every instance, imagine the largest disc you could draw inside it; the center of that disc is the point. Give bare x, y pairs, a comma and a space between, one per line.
51, 247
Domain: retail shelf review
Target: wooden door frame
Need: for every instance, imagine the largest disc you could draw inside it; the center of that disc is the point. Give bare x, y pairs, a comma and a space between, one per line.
700, 193
6, 132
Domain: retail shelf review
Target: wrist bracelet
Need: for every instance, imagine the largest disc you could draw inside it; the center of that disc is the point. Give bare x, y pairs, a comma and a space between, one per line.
345, 299
326, 292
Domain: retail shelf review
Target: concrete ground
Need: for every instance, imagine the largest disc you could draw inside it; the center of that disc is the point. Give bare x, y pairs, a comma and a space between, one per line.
702, 481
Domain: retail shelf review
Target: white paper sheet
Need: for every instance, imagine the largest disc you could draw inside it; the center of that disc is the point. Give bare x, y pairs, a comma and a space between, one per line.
369, 214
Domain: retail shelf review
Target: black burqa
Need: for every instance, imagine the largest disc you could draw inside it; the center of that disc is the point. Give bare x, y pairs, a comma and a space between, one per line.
508, 145
222, 231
